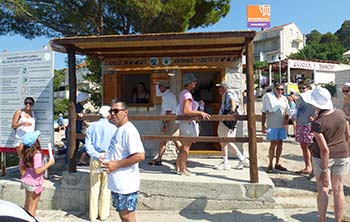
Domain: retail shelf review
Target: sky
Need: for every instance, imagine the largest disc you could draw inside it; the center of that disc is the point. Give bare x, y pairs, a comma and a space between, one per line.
322, 15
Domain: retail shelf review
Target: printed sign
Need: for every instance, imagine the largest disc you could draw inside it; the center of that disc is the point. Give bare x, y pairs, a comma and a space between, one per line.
258, 16
22, 75
319, 66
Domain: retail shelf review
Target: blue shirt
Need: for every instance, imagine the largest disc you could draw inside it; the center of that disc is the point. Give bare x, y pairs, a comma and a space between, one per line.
226, 101
98, 137
304, 111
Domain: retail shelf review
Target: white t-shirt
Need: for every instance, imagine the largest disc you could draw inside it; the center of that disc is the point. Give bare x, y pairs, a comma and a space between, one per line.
169, 102
127, 141
275, 109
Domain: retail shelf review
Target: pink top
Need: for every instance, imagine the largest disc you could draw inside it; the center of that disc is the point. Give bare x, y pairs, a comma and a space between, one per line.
184, 95
30, 177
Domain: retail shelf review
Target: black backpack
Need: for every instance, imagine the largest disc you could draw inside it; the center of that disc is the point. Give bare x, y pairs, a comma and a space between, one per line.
231, 124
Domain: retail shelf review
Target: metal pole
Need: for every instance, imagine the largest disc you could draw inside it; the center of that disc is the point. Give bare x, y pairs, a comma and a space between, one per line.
279, 69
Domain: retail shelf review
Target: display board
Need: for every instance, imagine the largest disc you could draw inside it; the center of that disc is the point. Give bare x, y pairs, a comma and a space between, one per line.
26, 74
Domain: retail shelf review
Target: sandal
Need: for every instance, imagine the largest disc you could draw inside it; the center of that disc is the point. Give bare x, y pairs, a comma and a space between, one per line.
155, 162
269, 169
303, 172
280, 167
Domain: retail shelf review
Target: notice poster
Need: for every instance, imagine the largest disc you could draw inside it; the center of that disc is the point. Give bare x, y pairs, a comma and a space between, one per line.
21, 75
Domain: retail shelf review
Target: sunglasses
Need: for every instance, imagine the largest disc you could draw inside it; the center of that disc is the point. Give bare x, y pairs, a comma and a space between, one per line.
303, 87
345, 91
115, 111
28, 103
280, 89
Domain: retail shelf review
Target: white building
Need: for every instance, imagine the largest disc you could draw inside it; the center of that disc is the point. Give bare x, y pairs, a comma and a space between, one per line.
277, 43
81, 72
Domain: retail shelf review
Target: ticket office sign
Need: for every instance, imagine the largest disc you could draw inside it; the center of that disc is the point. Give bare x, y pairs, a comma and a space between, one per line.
21, 75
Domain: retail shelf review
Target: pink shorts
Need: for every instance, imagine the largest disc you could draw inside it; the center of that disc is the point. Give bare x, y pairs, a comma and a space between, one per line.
303, 134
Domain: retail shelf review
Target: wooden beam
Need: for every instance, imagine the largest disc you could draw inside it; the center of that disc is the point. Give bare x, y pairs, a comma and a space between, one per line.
171, 54
214, 139
254, 176
72, 163
154, 48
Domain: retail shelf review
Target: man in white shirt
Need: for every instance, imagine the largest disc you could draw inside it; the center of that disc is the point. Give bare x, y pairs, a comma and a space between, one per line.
169, 105
126, 151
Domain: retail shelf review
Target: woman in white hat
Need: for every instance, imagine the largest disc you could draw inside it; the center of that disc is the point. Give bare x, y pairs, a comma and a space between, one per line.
330, 153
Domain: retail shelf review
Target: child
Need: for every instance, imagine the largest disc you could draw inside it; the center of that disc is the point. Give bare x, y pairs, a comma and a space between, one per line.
32, 170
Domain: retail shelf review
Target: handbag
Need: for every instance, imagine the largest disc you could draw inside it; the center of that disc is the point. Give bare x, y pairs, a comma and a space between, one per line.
231, 124
314, 149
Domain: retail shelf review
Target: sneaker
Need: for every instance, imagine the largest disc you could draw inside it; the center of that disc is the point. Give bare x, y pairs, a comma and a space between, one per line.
222, 166
241, 164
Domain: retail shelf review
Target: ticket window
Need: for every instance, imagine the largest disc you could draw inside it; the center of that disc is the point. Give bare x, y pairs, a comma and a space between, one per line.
136, 89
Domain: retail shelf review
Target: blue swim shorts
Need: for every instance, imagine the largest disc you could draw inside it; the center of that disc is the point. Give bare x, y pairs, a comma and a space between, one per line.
276, 134
124, 201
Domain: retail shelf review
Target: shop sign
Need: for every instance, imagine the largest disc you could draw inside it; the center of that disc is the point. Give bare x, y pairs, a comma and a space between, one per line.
258, 16
297, 64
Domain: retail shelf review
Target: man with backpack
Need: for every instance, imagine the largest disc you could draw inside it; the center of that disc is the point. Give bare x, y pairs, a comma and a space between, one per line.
229, 106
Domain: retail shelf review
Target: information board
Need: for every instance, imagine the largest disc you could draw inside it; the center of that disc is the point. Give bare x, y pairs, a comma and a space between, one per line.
21, 75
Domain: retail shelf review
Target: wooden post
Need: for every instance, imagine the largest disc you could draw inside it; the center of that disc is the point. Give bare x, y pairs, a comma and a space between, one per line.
72, 116
254, 177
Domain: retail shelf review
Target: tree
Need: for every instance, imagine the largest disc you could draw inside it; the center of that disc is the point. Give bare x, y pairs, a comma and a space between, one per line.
323, 51
313, 37
60, 106
58, 79
32, 18
343, 34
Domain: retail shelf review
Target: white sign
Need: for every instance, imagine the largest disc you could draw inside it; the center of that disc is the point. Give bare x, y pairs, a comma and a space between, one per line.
318, 66
21, 75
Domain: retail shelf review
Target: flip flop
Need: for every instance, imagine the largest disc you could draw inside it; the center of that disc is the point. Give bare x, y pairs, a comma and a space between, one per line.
155, 163
280, 167
303, 172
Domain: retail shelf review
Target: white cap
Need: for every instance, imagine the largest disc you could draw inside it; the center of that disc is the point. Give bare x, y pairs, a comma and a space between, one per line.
82, 96
104, 111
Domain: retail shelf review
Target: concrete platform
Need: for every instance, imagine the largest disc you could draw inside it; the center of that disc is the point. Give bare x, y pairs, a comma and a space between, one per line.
160, 188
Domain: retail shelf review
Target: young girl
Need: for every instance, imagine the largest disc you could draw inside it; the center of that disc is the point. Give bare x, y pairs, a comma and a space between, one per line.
32, 170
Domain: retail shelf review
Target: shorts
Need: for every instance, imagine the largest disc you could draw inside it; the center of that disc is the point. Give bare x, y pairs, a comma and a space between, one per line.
32, 188
303, 134
337, 166
124, 201
276, 134
189, 128
224, 131
17, 142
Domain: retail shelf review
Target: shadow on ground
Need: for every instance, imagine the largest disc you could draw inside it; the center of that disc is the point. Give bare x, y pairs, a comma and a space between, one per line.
235, 215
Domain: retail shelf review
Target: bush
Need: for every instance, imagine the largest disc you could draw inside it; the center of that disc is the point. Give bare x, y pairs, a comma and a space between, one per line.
332, 88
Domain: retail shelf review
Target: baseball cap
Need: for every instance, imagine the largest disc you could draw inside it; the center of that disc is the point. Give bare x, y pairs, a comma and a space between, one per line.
223, 84
82, 96
188, 78
30, 138
104, 111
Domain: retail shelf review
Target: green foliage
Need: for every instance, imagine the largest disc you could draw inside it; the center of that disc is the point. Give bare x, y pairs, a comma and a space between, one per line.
332, 88
60, 106
343, 34
32, 18
58, 79
313, 37
94, 65
323, 51
260, 64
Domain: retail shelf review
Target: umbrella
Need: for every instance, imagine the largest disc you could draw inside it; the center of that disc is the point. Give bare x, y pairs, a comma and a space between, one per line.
11, 212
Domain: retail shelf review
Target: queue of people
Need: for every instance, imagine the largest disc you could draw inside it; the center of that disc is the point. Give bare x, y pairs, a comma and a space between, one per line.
115, 147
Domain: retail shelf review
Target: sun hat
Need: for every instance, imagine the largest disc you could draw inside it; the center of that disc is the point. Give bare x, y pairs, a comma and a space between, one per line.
164, 83
223, 84
188, 78
82, 96
30, 138
318, 97
347, 84
104, 111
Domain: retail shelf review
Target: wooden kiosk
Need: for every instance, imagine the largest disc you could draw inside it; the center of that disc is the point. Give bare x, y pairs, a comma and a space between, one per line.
130, 59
